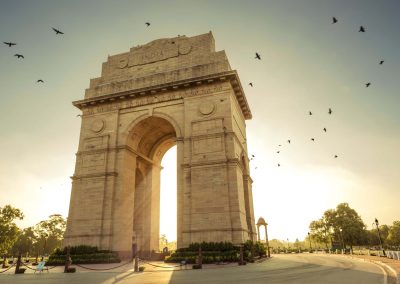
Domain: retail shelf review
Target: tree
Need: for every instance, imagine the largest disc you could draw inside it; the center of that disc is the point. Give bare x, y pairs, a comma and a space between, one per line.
320, 231
349, 225
394, 234
8, 229
163, 242
342, 224
49, 233
373, 237
26, 242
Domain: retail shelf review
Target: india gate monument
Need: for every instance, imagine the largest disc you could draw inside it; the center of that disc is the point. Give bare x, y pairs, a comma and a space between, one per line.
172, 91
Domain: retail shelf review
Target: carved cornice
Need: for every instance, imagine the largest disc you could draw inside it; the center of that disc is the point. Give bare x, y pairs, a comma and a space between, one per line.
230, 76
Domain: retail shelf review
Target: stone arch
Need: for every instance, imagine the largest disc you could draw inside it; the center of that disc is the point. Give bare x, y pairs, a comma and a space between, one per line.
131, 116
142, 117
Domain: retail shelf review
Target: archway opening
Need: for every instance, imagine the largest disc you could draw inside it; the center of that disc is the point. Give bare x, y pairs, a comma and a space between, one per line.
168, 198
150, 140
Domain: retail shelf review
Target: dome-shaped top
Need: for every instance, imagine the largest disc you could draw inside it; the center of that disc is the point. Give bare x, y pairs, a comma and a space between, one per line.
261, 221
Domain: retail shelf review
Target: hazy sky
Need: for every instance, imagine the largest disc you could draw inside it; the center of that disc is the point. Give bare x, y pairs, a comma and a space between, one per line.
308, 64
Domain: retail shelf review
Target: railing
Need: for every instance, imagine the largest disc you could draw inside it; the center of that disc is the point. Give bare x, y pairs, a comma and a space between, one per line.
393, 254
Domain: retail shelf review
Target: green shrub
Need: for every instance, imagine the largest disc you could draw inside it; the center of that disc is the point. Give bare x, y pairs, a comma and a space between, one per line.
83, 255
71, 270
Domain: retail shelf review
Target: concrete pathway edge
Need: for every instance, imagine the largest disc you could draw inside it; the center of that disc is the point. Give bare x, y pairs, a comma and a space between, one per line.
391, 269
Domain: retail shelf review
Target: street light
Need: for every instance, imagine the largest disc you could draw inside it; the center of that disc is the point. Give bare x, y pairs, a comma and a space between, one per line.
309, 238
379, 235
341, 236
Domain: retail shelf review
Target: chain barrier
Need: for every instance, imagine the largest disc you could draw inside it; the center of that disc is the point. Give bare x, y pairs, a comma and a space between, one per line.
23, 264
99, 269
160, 266
48, 268
7, 269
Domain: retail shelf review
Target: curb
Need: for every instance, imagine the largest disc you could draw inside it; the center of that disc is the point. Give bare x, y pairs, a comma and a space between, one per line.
391, 269
395, 273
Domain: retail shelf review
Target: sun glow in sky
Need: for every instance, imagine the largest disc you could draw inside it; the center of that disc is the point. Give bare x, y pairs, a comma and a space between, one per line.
308, 64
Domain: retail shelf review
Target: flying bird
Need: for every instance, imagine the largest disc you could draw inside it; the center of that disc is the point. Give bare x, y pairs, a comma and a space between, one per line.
330, 111
279, 165
381, 62
278, 152
367, 85
362, 29
312, 139
310, 113
57, 31
324, 129
251, 84
279, 145
334, 20
147, 24
19, 55
336, 156
40, 81
288, 141
258, 56
9, 43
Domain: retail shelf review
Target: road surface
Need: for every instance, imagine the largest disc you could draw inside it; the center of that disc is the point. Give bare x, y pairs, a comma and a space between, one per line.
291, 268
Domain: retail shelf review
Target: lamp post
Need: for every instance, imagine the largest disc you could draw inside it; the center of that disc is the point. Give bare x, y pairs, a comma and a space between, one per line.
309, 238
341, 237
379, 235
266, 240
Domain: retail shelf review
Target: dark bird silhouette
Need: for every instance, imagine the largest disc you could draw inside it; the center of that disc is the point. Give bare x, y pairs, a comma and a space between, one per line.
336, 156
330, 111
362, 29
253, 156
40, 81
57, 31
288, 141
312, 139
9, 43
279, 145
367, 85
334, 20
278, 152
324, 129
19, 55
381, 62
147, 24
279, 165
310, 113
251, 84
258, 56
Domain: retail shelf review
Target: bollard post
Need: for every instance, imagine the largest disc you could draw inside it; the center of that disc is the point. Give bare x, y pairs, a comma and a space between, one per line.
241, 262
136, 263
18, 264
67, 260
200, 261
4, 261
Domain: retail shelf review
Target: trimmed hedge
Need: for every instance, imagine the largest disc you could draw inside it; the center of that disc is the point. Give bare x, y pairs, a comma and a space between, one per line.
215, 252
83, 255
